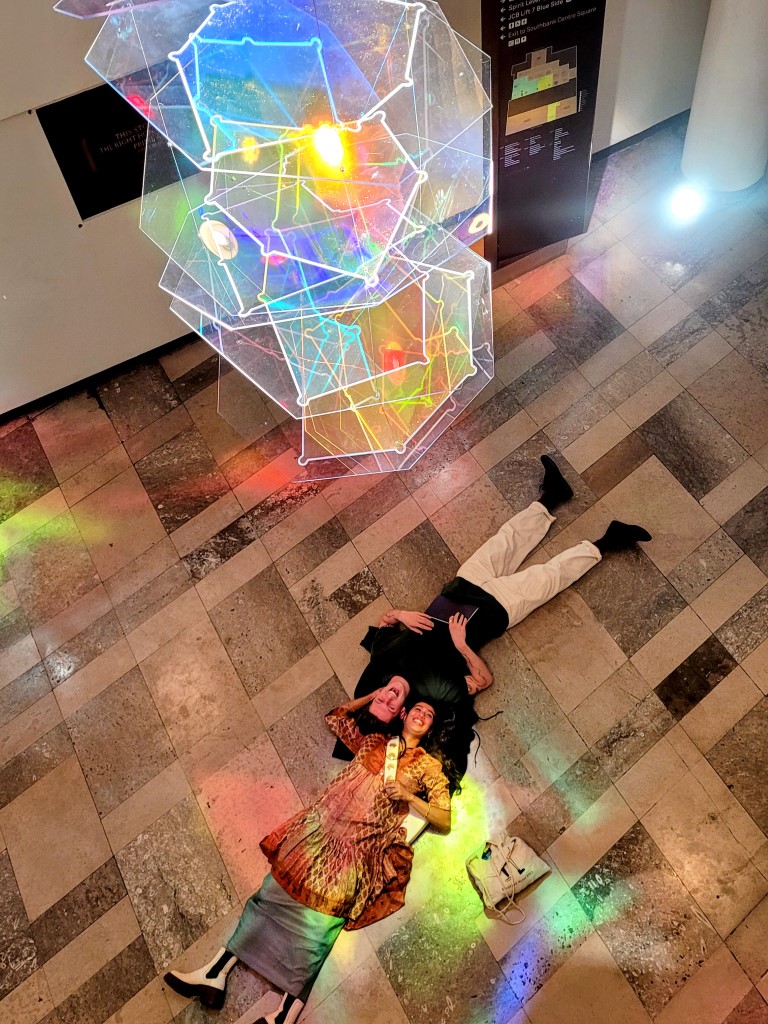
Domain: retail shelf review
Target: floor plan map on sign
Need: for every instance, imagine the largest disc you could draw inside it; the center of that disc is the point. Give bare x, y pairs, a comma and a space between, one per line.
544, 89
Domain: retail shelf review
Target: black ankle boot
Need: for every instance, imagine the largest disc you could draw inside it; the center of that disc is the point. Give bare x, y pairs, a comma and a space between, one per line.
555, 489
208, 983
620, 537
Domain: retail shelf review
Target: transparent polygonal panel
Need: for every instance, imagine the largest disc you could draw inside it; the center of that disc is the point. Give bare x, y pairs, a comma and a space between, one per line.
329, 165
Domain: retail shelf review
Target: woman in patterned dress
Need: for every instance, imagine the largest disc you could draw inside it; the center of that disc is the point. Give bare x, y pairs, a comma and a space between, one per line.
341, 863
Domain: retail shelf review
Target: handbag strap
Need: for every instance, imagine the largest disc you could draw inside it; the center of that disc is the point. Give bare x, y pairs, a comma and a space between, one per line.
511, 899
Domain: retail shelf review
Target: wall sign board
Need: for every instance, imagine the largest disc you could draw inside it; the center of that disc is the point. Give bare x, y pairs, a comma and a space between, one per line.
99, 142
545, 63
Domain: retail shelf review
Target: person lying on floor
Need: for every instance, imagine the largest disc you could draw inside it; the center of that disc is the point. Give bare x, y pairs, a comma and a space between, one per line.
343, 862
414, 654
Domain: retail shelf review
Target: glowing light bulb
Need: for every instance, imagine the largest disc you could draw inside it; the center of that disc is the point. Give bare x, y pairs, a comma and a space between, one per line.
250, 149
686, 203
328, 145
218, 239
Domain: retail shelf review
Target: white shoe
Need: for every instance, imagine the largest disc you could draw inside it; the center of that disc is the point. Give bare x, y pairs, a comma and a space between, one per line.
206, 984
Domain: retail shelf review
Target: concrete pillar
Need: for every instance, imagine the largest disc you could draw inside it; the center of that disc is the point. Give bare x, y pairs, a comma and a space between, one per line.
726, 147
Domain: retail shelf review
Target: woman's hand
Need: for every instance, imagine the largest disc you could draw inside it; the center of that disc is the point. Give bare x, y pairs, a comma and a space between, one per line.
457, 627
396, 791
417, 622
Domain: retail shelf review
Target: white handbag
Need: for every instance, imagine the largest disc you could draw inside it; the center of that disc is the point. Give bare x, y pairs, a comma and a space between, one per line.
502, 867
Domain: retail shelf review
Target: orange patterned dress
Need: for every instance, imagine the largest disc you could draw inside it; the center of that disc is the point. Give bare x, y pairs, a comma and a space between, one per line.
346, 854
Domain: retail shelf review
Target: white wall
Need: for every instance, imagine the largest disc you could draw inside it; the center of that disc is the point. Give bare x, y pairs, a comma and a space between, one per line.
651, 52
75, 300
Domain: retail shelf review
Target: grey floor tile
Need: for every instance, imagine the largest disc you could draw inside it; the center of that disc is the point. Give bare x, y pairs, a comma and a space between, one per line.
707, 564
82, 649
741, 760
25, 469
747, 628
575, 321
19, 959
692, 445
749, 529
416, 568
137, 398
697, 676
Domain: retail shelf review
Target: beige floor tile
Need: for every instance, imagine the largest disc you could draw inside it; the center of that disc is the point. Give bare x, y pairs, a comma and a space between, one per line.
652, 497
610, 358
342, 492
9, 598
743, 828
651, 777
166, 624
609, 703
194, 685
761, 456
74, 433
271, 478
289, 689
470, 519
343, 650
536, 901
748, 945
585, 248
448, 483
702, 357
243, 802
118, 523
297, 526
756, 666
523, 356
721, 271
652, 397
331, 574
588, 989
182, 360
230, 576
591, 835
537, 283
504, 307
28, 727
558, 399
684, 745
729, 592
206, 524
142, 570
388, 530
367, 986
31, 519
17, 659
92, 477
711, 863
145, 806
72, 621
670, 647
660, 320
149, 1006
736, 394
721, 709
222, 439
735, 491
623, 284
505, 439
54, 837
96, 676
568, 648
29, 1003
554, 754
711, 993
157, 433
595, 442
350, 951
91, 950
219, 746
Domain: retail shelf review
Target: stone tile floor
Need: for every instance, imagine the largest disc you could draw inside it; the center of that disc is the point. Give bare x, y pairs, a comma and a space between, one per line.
176, 614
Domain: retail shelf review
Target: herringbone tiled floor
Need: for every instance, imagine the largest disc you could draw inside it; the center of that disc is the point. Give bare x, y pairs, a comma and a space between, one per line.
176, 614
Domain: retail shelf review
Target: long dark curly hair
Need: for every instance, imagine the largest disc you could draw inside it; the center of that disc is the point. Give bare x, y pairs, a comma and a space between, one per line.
450, 736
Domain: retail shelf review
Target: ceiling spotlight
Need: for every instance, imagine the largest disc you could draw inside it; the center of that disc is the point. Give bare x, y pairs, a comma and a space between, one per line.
686, 203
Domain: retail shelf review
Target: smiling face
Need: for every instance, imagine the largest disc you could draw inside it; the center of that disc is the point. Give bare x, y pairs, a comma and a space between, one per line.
419, 720
388, 703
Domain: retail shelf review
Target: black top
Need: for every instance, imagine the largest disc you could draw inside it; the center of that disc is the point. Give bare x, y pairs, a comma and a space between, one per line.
429, 661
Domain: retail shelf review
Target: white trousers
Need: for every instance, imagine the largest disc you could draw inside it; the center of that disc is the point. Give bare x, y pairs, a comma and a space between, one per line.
494, 566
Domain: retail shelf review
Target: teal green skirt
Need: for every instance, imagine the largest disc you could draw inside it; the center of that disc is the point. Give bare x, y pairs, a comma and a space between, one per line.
284, 941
